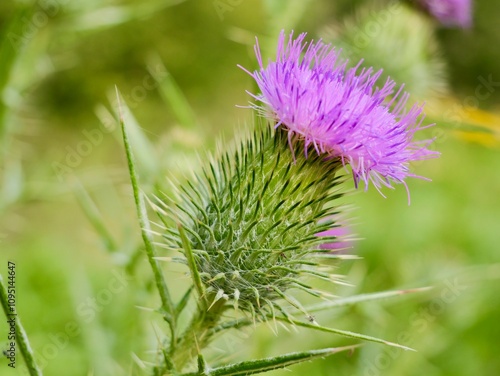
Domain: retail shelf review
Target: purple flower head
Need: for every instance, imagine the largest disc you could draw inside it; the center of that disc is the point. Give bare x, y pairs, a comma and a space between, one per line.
340, 112
450, 12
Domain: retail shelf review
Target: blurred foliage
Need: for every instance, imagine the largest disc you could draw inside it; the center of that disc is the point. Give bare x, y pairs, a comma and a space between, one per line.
396, 39
56, 118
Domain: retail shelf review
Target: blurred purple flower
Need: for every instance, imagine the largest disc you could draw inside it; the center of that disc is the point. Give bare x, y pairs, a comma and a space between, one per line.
450, 12
339, 111
343, 241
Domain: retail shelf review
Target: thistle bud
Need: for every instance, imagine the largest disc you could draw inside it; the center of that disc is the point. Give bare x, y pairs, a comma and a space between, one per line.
252, 217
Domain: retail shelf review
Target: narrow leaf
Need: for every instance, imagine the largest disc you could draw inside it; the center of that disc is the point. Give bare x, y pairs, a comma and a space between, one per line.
167, 303
350, 300
340, 332
342, 302
146, 156
183, 302
21, 336
202, 366
195, 274
253, 367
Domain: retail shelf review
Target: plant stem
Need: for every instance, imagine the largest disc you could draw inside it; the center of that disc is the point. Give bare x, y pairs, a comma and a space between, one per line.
167, 302
198, 334
21, 336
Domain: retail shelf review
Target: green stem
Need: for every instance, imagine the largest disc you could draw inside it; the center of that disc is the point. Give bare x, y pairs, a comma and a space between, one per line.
167, 303
21, 336
198, 334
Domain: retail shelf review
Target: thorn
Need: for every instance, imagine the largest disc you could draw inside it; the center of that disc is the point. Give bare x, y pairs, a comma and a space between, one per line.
257, 296
418, 289
166, 259
138, 361
274, 330
236, 298
120, 108
287, 328
145, 308
218, 296
252, 312
236, 274
218, 276
273, 312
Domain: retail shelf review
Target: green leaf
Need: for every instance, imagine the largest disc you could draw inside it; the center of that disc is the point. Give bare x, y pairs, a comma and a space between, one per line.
183, 302
236, 324
203, 368
195, 274
342, 302
167, 302
343, 333
21, 336
350, 300
145, 150
253, 367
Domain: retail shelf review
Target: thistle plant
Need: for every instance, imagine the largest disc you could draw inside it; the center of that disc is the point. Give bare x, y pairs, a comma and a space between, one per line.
252, 225
250, 222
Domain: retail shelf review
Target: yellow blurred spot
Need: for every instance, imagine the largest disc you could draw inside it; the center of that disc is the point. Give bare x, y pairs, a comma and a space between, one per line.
486, 139
482, 118
469, 124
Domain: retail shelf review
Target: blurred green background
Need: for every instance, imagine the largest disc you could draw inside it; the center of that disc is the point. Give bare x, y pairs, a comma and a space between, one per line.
67, 215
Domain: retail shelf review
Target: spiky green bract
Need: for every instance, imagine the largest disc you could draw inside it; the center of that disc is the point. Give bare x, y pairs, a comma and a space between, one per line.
252, 217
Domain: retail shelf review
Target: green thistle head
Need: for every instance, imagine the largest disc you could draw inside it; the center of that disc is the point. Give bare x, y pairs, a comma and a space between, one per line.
252, 219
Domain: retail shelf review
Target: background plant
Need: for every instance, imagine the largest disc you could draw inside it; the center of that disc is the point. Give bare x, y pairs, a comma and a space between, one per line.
450, 225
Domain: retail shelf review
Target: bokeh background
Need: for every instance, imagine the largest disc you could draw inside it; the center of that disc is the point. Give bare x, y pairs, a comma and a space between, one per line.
67, 217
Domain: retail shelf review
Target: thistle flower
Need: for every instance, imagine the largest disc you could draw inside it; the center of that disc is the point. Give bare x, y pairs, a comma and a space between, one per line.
339, 111
450, 12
